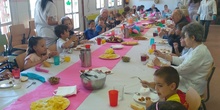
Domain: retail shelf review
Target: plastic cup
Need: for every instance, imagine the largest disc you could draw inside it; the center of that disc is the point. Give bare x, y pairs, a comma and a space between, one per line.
99, 41
56, 60
16, 73
113, 32
153, 46
87, 46
67, 58
163, 21
143, 56
113, 97
158, 29
151, 41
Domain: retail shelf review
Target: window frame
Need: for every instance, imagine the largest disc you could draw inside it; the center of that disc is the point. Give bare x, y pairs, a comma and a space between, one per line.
7, 23
72, 13
120, 4
100, 4
112, 5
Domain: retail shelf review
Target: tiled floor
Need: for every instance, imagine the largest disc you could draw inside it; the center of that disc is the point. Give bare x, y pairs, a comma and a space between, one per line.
213, 43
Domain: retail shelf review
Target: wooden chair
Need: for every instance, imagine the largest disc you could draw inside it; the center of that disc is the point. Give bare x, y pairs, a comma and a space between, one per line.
193, 99
19, 60
32, 31
208, 79
17, 40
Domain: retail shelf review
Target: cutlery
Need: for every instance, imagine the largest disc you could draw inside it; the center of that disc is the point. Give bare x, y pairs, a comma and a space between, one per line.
137, 77
137, 93
31, 84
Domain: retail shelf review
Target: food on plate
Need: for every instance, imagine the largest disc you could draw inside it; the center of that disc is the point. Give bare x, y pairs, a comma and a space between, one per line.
109, 56
136, 106
46, 64
108, 72
139, 38
125, 59
130, 43
109, 51
53, 103
147, 98
150, 64
114, 39
54, 80
165, 51
5, 76
23, 78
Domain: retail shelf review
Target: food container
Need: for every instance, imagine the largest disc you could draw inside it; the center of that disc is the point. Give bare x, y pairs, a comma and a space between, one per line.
93, 79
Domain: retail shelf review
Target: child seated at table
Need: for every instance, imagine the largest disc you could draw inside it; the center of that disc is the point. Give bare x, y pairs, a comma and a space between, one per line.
90, 32
118, 19
166, 81
167, 105
37, 52
63, 43
100, 28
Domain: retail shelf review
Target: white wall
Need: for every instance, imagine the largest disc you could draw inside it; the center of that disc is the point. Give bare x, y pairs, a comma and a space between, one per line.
172, 4
21, 14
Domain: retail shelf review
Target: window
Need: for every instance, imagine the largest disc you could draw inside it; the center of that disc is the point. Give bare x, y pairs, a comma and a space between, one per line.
72, 11
5, 16
119, 2
32, 7
99, 4
111, 3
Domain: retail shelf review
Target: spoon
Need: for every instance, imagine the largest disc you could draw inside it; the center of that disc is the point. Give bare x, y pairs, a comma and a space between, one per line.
31, 84
137, 77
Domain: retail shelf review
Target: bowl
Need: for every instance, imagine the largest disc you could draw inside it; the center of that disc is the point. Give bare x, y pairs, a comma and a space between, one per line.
54, 80
126, 59
93, 80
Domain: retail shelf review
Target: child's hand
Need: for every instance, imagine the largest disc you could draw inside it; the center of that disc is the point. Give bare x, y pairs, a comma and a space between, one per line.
175, 45
74, 38
145, 83
53, 53
44, 57
148, 102
156, 61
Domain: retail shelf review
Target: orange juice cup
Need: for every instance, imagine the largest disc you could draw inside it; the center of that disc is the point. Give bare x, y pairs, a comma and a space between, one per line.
99, 41
158, 29
113, 97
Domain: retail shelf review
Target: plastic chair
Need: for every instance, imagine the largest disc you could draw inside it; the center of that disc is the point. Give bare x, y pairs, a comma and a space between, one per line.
193, 99
19, 60
209, 77
32, 31
17, 40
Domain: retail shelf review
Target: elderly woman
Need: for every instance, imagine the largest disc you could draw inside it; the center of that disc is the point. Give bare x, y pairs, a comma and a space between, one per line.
45, 17
103, 14
193, 66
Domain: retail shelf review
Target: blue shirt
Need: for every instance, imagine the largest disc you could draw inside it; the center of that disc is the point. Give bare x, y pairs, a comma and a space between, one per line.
90, 33
98, 29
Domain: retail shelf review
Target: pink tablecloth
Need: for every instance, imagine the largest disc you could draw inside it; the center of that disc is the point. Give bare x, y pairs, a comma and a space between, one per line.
69, 77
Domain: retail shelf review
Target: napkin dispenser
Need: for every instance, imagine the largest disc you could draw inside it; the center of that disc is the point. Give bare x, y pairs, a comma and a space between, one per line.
85, 57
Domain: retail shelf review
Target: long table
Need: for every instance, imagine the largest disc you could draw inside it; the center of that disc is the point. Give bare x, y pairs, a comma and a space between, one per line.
12, 99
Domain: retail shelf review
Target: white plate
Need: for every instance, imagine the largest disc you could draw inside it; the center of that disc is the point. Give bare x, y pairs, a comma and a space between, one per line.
154, 97
117, 46
6, 84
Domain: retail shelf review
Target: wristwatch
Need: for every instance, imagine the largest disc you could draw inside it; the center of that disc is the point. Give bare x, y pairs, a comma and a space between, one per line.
156, 1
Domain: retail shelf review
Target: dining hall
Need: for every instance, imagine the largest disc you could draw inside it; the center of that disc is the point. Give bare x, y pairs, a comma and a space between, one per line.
109, 54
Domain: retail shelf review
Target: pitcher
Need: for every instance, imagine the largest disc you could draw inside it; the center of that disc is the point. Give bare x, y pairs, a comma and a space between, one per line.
85, 57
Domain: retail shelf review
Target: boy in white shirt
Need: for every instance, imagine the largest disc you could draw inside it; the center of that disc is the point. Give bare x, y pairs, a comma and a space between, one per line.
63, 43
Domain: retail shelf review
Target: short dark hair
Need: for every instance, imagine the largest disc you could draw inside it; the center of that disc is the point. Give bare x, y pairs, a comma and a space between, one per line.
169, 74
59, 29
167, 105
101, 18
181, 25
90, 21
127, 9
